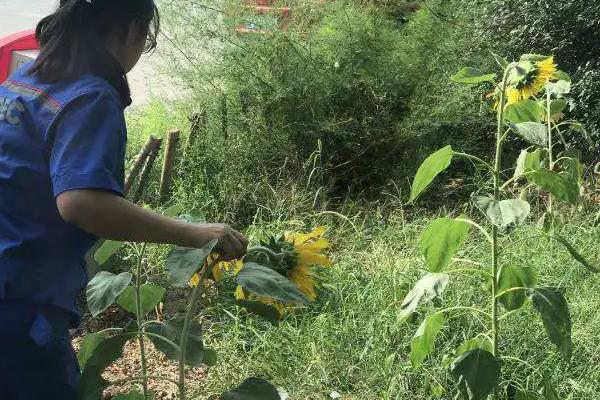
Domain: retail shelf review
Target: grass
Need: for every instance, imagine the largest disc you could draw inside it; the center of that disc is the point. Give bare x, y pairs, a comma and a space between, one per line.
353, 342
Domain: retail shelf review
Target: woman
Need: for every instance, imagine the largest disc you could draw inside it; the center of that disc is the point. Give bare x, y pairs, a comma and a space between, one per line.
62, 149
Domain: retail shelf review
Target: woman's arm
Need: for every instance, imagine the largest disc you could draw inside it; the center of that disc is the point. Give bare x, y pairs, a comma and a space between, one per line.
112, 217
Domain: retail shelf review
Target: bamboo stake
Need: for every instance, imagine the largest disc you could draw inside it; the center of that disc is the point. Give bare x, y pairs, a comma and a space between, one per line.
138, 164
168, 165
198, 121
157, 143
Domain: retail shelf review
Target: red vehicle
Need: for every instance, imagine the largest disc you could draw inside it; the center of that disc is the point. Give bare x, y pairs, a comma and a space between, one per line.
17, 49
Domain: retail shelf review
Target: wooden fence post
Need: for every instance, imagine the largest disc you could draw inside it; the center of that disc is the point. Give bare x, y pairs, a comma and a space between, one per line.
169, 164
138, 163
198, 121
147, 168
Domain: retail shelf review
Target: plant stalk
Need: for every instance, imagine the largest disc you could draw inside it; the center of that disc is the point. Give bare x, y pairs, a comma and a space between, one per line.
196, 294
550, 145
138, 305
495, 248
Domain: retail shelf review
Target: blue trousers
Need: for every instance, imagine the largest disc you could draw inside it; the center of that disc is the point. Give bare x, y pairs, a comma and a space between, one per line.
37, 360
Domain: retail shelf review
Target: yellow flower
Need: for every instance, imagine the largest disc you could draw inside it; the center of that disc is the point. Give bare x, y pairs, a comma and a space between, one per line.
218, 270
528, 78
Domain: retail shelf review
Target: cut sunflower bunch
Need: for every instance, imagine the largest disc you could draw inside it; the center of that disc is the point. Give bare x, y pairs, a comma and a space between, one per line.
293, 255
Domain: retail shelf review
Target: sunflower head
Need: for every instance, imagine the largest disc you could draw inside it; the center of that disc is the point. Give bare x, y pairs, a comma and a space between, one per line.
529, 76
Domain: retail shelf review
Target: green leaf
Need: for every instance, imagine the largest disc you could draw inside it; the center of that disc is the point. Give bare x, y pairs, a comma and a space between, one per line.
173, 211
424, 340
524, 111
253, 389
472, 76
533, 132
504, 214
559, 88
556, 184
510, 277
88, 346
478, 342
553, 307
107, 250
103, 290
150, 296
431, 167
561, 76
183, 263
441, 240
263, 310
533, 57
106, 352
426, 289
576, 254
478, 373
133, 395
172, 330
557, 106
263, 281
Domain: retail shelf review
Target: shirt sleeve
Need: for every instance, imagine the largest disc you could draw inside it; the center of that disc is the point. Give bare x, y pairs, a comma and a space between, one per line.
88, 149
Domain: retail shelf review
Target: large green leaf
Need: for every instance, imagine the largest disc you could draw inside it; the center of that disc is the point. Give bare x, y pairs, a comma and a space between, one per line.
196, 354
431, 167
107, 351
510, 277
261, 309
441, 240
88, 346
426, 289
557, 106
264, 281
103, 290
576, 254
253, 389
524, 111
150, 296
424, 340
107, 250
553, 307
183, 263
529, 161
173, 211
504, 214
556, 184
559, 88
533, 132
472, 76
478, 342
478, 373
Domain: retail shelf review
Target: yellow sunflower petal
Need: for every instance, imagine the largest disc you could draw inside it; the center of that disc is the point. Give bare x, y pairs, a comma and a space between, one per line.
300, 238
314, 245
218, 272
304, 281
194, 281
239, 293
312, 258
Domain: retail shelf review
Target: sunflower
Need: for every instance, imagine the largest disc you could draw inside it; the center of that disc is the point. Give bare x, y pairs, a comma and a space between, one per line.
302, 251
528, 78
218, 270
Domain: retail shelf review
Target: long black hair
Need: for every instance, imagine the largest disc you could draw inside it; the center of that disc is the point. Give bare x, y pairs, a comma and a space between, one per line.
73, 39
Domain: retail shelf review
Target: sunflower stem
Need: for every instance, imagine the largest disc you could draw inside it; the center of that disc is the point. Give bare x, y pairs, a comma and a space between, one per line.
550, 144
138, 306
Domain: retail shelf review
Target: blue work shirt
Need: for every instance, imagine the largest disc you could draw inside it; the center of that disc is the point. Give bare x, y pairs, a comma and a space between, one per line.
53, 138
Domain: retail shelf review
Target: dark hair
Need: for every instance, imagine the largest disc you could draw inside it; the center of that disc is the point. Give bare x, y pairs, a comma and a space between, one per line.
73, 39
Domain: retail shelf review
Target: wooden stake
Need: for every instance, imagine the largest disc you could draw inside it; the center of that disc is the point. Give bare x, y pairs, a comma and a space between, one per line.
168, 165
147, 169
198, 121
139, 163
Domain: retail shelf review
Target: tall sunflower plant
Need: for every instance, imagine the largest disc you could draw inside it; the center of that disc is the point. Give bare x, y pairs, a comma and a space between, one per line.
275, 277
530, 101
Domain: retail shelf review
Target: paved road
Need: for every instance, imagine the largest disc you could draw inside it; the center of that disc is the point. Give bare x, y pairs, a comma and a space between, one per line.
19, 15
